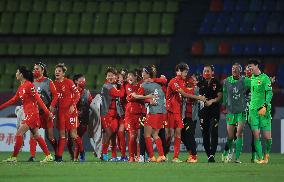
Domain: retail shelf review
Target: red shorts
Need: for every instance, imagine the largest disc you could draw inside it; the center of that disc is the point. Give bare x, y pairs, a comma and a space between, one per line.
66, 120
156, 121
121, 120
110, 122
32, 120
174, 120
45, 121
132, 122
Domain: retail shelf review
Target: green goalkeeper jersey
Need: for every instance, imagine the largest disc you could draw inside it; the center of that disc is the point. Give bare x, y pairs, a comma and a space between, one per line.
261, 92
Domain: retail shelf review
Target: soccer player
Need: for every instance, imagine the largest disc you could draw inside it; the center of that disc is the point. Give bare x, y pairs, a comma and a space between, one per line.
133, 112
30, 99
67, 119
156, 113
47, 91
259, 110
176, 91
234, 101
109, 112
83, 107
210, 114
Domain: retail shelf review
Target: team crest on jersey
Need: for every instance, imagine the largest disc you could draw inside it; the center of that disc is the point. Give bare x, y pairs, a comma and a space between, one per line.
176, 85
258, 82
129, 89
33, 89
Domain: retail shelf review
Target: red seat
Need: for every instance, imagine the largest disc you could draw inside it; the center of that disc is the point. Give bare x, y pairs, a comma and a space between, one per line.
197, 48
216, 5
224, 48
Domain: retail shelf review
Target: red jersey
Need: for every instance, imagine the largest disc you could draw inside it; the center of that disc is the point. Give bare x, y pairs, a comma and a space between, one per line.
29, 97
68, 93
163, 82
133, 106
173, 98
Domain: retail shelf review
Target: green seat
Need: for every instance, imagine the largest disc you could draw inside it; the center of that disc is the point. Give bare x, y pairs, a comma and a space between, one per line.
27, 49
65, 6
118, 7
86, 23
100, 23
145, 6
6, 82
14, 49
92, 6
39, 5
105, 7
149, 48
81, 49
126, 26
132, 6
59, 26
2, 68
78, 7
41, 49
80, 68
52, 6
73, 23
172, 6
46, 23
154, 24
158, 6
3, 49
10, 69
26, 6
135, 49
100, 80
168, 24
19, 23
95, 49
2, 6
108, 49
12, 6
90, 81
32, 26
54, 49
122, 49
163, 49
93, 69
140, 25
68, 49
113, 24
6, 22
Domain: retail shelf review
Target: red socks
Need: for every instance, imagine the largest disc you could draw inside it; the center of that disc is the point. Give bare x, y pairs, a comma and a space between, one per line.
176, 147
32, 146
105, 148
18, 145
149, 146
42, 145
79, 144
159, 146
61, 145
122, 143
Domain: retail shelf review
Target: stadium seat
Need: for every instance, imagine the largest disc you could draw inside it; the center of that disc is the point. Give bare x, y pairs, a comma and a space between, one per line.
108, 49
158, 6
233, 28
250, 49
229, 5
81, 49
140, 25
3, 49
245, 28
205, 28
86, 23
135, 49
100, 23
6, 81
132, 6
52, 6
93, 69
68, 49
105, 7
168, 24
54, 49
264, 49
33, 20
118, 7
95, 49
65, 6
210, 48
41, 49
277, 48
224, 48
255, 5
80, 68
259, 28
73, 22
236, 17
12, 6
145, 6
218, 28
163, 49
242, 5
154, 24
19, 23
149, 48
46, 23
122, 49
2, 6
10, 69
280, 5
113, 24
92, 6
27, 49
78, 7
14, 48
216, 5
127, 22
237, 49
272, 27
172, 6
197, 48
223, 17
39, 6
269, 5
26, 6
59, 26
6, 22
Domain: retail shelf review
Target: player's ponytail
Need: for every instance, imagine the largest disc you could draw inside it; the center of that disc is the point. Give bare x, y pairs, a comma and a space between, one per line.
27, 74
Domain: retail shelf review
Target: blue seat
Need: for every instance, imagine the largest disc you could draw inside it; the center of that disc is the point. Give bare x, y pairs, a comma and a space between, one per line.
249, 17
245, 27
210, 17
218, 69
264, 49
280, 5
210, 48
232, 28
277, 48
223, 17
218, 28
205, 28
242, 5
255, 5
227, 69
259, 27
236, 17
229, 5
199, 69
262, 17
272, 27
251, 49
237, 49
281, 27
192, 69
269, 5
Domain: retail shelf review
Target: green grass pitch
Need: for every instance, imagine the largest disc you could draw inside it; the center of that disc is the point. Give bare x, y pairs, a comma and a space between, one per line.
96, 171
